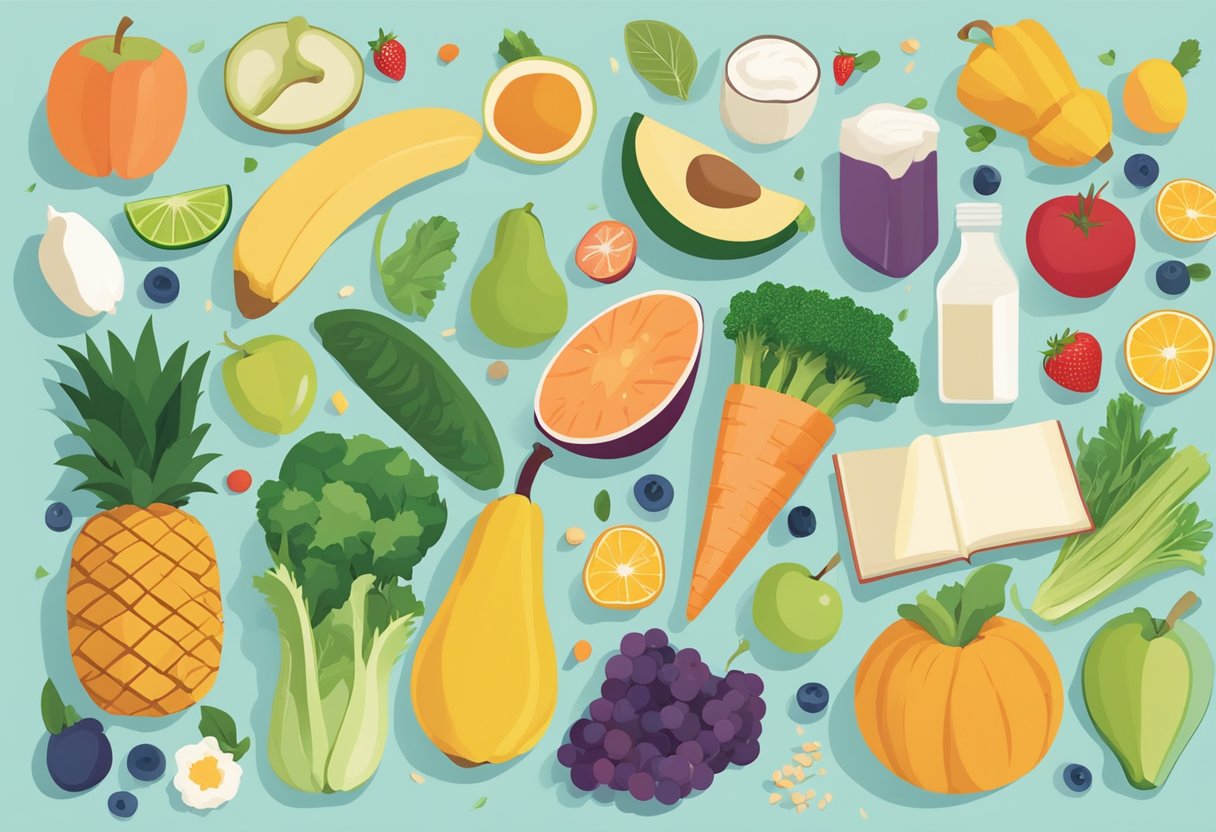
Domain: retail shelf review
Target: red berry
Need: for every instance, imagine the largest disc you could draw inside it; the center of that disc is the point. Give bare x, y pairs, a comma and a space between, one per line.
239, 481
842, 66
388, 55
1074, 361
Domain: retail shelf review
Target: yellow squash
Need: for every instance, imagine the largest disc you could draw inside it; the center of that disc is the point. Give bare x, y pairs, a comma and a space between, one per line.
484, 681
1022, 84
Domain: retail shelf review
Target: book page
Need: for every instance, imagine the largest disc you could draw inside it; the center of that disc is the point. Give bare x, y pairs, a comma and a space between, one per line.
925, 526
1014, 485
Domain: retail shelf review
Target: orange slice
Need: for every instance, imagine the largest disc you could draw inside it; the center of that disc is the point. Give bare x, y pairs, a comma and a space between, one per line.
1186, 210
625, 569
1168, 351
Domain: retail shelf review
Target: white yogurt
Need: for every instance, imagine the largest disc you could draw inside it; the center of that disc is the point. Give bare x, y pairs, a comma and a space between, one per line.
890, 136
769, 89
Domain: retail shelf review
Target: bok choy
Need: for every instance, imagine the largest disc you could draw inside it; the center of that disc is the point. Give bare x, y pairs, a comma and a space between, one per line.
345, 523
1136, 485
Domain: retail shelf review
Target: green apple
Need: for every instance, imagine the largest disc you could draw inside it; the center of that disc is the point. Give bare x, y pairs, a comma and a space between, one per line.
796, 610
271, 381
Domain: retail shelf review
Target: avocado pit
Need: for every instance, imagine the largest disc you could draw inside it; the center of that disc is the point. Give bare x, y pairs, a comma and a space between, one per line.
717, 182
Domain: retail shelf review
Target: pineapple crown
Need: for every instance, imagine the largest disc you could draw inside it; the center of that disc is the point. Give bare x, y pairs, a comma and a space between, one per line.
137, 417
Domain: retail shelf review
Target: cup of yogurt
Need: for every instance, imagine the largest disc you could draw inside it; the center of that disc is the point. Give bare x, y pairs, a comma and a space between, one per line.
769, 89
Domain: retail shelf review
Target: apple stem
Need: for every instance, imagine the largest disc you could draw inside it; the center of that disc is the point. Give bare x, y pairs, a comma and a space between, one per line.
233, 345
123, 26
1179, 609
829, 566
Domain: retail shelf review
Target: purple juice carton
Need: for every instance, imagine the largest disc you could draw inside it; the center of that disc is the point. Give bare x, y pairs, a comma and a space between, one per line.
888, 187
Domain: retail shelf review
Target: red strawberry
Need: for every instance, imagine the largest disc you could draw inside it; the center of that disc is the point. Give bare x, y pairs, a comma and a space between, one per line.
1074, 361
842, 66
388, 55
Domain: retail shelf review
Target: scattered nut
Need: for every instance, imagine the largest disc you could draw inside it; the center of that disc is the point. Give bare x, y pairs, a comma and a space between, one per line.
449, 332
864, 814
497, 371
339, 402
798, 728
910, 45
416, 777
910, 65
614, 65
346, 291
801, 807
775, 797
207, 305
575, 535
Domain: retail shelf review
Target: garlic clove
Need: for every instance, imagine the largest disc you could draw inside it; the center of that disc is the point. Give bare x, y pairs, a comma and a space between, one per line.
79, 264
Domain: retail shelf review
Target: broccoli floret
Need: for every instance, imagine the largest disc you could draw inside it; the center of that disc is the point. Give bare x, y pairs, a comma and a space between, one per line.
826, 351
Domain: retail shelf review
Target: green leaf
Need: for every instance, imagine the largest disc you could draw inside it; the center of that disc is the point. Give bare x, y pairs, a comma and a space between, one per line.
979, 136
251, 164
1108, 57
662, 56
40, 573
30, 189
1187, 57
866, 61
413, 274
806, 220
516, 45
53, 716
798, 174
917, 104
479, 802
1199, 272
602, 506
982, 597
196, 47
903, 314
216, 723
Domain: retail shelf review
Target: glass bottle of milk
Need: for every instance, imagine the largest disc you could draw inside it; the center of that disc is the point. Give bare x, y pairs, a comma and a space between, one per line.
977, 314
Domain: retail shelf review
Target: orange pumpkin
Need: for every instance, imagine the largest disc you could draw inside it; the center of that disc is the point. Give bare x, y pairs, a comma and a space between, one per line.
116, 104
955, 699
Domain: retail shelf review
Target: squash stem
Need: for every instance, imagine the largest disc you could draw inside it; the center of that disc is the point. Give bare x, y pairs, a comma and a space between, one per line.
829, 566
123, 26
1178, 610
528, 473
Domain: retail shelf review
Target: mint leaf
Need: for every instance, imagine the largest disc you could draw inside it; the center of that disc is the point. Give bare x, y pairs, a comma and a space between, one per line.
1187, 57
516, 45
413, 274
30, 189
479, 802
805, 220
216, 723
251, 164
979, 136
798, 174
40, 573
1108, 57
903, 314
1199, 272
867, 61
603, 506
662, 55
52, 709
983, 596
196, 47
917, 104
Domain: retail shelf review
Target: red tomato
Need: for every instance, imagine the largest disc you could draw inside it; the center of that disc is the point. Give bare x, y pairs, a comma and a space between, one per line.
239, 481
1081, 245
607, 252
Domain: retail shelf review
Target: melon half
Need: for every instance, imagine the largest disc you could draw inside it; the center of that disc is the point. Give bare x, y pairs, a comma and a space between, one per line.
620, 383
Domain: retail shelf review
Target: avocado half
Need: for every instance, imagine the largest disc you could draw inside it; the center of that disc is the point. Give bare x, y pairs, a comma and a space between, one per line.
290, 77
731, 217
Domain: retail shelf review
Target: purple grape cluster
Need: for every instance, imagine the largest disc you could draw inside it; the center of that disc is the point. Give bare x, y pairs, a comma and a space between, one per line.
664, 724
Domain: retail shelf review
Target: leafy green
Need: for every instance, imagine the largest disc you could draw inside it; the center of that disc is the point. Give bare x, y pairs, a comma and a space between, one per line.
55, 715
917, 104
346, 522
413, 274
903, 315
866, 61
479, 802
1199, 272
196, 47
1135, 484
603, 506
411, 383
516, 45
662, 55
40, 573
798, 174
222, 728
30, 189
251, 164
979, 136
1187, 57
958, 612
1107, 57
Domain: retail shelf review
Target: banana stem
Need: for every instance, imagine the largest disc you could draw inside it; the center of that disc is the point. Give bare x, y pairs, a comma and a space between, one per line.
829, 566
1105, 153
527, 474
123, 26
1178, 610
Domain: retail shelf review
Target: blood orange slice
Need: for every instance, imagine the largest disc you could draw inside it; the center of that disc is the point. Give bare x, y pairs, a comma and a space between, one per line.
620, 383
607, 251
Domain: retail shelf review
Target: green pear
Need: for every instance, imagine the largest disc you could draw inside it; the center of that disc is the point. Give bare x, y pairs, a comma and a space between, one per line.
271, 381
796, 610
1147, 682
519, 299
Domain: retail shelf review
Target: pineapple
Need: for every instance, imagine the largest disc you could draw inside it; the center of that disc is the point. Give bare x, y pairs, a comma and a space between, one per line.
145, 624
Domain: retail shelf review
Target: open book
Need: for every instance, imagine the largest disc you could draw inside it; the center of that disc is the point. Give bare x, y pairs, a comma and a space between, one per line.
944, 498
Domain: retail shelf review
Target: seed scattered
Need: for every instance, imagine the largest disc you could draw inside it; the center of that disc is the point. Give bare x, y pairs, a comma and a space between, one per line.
818, 755
346, 291
449, 332
827, 796
799, 775
810, 794
614, 65
777, 776
775, 797
338, 400
799, 730
416, 777
582, 650
497, 371
910, 45
864, 814
207, 305
798, 797
822, 804
810, 746
785, 784
823, 772
803, 760
575, 535
787, 770
911, 65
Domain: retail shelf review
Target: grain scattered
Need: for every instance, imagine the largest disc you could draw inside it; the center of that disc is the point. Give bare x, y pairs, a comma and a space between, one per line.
801, 807
346, 291
864, 814
497, 371
799, 730
787, 770
910, 45
416, 777
822, 804
803, 760
911, 65
810, 794
614, 65
818, 755
207, 306
785, 784
777, 776
449, 332
827, 796
798, 797
775, 797
823, 772
339, 402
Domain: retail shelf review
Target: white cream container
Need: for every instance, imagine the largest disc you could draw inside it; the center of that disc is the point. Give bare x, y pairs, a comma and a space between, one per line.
769, 89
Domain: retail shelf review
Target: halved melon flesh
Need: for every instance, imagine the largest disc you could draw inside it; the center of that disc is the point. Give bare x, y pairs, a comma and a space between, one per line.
620, 383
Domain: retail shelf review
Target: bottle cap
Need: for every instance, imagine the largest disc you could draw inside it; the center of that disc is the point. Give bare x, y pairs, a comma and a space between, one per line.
977, 215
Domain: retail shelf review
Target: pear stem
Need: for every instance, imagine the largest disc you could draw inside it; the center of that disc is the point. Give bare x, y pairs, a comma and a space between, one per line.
527, 474
123, 26
232, 345
1179, 609
829, 566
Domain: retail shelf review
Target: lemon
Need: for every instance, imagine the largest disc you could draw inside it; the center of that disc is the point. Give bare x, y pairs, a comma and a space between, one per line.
1154, 96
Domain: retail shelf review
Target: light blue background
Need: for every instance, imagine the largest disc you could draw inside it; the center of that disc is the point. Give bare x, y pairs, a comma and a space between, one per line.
532, 792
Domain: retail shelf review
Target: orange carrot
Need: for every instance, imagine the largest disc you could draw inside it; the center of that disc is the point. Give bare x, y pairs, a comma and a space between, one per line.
766, 443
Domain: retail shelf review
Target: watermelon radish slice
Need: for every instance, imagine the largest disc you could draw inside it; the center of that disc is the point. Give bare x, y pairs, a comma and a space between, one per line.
620, 383
607, 251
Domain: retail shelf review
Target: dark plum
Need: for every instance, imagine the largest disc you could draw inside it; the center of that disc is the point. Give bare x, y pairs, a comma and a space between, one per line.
78, 754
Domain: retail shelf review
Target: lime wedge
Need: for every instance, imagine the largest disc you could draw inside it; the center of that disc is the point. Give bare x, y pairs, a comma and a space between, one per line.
181, 220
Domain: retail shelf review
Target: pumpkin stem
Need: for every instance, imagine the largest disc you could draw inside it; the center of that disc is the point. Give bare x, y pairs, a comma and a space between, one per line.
829, 566
1179, 609
123, 26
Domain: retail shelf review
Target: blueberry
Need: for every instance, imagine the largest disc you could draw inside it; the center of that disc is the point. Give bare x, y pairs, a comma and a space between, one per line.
812, 697
146, 762
986, 180
1141, 170
1172, 278
801, 521
1077, 777
161, 285
58, 517
653, 492
123, 804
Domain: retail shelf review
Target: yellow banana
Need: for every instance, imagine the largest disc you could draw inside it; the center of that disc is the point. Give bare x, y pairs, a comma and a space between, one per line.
317, 198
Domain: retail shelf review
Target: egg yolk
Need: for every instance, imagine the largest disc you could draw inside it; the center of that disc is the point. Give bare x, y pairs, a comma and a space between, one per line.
538, 113
206, 773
